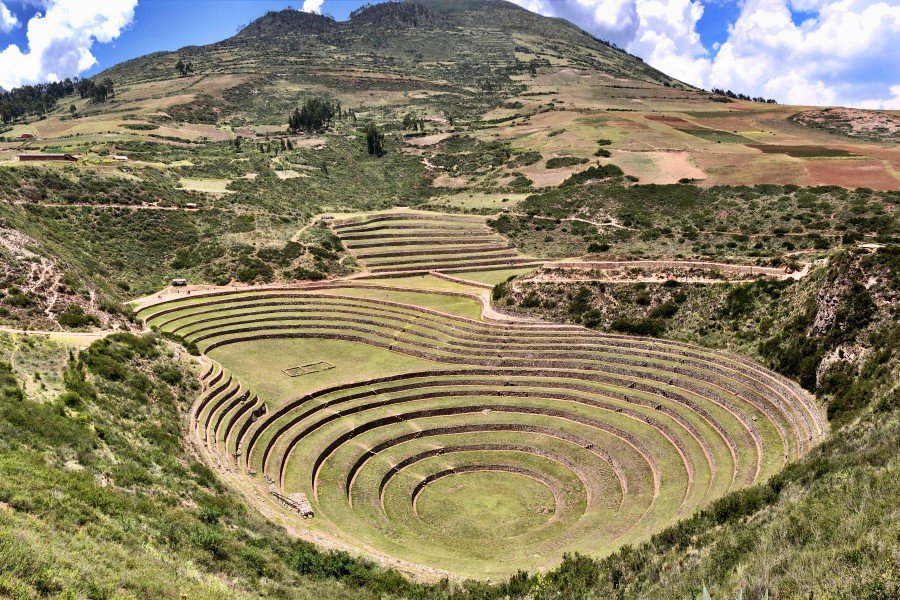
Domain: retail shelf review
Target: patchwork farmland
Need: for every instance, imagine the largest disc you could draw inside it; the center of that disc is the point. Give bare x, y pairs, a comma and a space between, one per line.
396, 242
437, 438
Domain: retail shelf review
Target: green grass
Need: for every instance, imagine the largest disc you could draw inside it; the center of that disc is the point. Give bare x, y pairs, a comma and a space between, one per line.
98, 502
262, 363
428, 282
492, 277
461, 306
485, 506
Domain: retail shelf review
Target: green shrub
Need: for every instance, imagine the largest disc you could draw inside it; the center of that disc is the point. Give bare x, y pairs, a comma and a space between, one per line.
559, 162
646, 326
531, 300
580, 302
665, 310
592, 173
189, 346
75, 317
302, 273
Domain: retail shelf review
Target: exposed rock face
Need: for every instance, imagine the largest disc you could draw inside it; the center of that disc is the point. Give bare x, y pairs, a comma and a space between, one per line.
858, 298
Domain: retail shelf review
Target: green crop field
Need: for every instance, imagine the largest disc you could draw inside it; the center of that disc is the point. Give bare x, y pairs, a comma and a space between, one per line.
439, 438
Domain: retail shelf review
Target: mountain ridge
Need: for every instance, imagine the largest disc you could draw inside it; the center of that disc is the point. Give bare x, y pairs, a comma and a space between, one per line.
437, 17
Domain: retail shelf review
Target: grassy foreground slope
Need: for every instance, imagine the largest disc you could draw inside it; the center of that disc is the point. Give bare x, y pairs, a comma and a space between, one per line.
100, 499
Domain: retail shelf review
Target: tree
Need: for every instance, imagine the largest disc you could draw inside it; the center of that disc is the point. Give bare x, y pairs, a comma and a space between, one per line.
180, 68
316, 114
99, 92
237, 143
85, 88
107, 83
374, 139
189, 68
73, 110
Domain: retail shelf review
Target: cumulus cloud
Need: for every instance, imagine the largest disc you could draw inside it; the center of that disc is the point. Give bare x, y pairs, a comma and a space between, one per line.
845, 48
60, 40
8, 20
667, 38
612, 20
312, 6
838, 51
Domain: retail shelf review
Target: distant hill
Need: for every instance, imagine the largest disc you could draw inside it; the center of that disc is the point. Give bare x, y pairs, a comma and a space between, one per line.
485, 33
439, 46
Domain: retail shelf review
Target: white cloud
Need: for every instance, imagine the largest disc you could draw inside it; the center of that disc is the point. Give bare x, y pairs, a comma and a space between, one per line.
8, 20
667, 38
312, 6
60, 40
891, 103
846, 47
612, 20
842, 52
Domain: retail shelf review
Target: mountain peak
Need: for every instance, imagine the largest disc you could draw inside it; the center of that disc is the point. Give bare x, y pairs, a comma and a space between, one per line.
393, 14
289, 20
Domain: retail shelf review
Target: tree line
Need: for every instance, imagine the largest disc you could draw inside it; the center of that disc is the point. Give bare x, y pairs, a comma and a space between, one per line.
98, 92
41, 98
33, 99
184, 69
318, 114
734, 96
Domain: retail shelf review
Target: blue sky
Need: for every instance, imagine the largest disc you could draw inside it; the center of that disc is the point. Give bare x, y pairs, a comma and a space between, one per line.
796, 51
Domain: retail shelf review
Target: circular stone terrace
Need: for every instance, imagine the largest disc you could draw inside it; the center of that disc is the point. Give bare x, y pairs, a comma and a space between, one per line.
428, 436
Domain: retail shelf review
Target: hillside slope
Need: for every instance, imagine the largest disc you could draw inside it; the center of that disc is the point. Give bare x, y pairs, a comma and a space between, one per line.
450, 56
467, 36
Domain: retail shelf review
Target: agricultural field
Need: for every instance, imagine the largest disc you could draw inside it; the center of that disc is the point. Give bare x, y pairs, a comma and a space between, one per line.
412, 242
381, 404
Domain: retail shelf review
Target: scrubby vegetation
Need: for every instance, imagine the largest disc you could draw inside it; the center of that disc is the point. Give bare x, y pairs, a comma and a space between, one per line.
683, 220
98, 497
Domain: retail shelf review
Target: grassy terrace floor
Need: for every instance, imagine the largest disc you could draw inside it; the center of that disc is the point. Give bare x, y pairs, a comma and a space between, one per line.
541, 439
